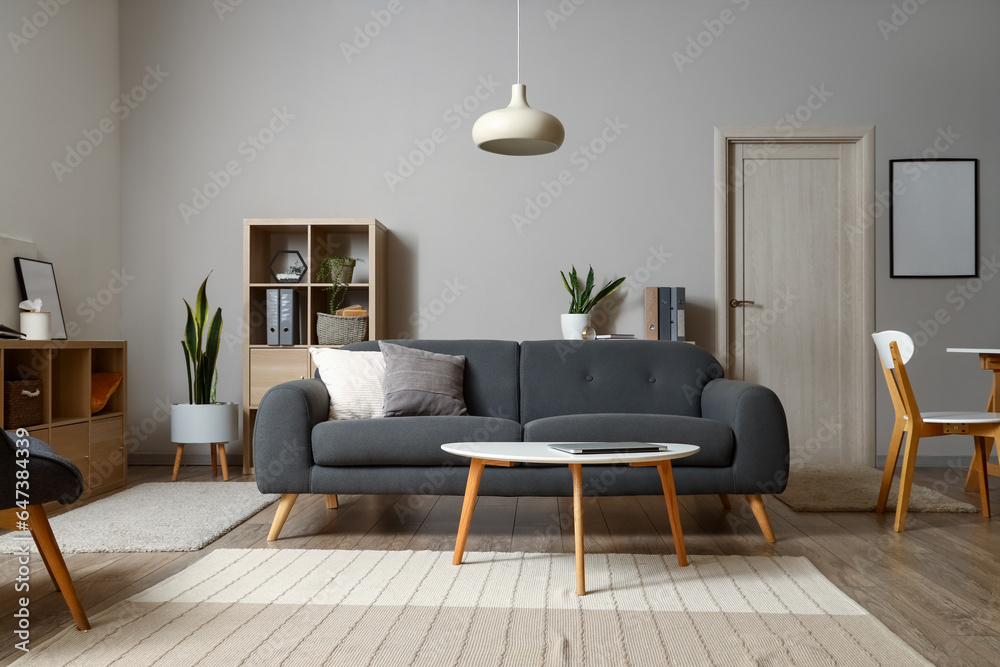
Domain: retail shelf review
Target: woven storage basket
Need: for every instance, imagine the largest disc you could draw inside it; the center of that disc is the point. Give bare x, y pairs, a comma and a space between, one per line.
22, 403
339, 330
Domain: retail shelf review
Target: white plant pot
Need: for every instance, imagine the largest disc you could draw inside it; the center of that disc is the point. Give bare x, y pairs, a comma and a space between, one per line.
576, 326
209, 423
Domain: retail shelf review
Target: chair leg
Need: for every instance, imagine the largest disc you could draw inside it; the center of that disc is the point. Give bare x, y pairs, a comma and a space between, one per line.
906, 480
47, 545
215, 464
331, 501
972, 478
982, 456
45, 561
222, 460
890, 465
177, 461
724, 497
284, 507
760, 512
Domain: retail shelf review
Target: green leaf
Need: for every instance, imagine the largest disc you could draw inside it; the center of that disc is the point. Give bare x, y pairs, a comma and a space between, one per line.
605, 291
192, 347
201, 309
187, 364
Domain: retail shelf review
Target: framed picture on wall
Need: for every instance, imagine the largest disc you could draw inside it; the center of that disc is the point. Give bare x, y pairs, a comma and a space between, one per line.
934, 218
37, 280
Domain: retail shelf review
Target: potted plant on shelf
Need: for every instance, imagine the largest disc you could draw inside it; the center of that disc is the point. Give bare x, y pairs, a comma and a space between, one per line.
202, 418
347, 327
576, 323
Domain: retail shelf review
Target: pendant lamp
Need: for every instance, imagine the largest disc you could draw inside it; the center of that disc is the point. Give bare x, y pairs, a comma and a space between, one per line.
518, 129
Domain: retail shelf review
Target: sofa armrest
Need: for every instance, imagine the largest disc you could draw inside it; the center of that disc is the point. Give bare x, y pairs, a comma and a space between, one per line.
282, 435
760, 462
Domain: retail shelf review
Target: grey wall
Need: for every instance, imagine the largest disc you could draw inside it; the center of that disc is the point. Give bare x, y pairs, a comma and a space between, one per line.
451, 219
59, 81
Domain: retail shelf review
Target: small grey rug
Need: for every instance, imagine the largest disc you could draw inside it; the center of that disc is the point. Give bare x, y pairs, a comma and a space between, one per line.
852, 487
171, 516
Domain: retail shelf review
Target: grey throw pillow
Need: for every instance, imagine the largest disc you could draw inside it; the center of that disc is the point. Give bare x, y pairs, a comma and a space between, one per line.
420, 383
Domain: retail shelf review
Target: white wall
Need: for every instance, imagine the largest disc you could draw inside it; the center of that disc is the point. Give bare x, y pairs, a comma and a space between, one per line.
59, 81
451, 220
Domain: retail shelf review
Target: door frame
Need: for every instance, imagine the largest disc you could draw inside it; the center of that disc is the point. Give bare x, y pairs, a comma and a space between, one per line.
863, 136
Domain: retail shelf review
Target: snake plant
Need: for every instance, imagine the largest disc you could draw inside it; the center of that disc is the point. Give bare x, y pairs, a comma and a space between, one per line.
581, 302
201, 353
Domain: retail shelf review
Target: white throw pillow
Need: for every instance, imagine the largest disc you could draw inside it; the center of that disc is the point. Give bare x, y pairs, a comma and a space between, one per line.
354, 380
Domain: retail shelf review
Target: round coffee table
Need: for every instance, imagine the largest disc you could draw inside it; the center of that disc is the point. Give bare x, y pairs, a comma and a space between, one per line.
505, 454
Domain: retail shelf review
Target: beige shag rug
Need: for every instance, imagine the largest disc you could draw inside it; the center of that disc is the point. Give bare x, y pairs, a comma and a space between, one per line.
850, 487
167, 516
319, 607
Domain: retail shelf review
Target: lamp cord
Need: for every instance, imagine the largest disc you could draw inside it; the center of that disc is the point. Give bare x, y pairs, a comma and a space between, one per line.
518, 41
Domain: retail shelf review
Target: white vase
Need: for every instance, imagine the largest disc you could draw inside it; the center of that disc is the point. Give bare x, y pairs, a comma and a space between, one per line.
576, 326
211, 423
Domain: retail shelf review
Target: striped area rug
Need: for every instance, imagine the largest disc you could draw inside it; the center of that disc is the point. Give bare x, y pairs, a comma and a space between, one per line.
314, 607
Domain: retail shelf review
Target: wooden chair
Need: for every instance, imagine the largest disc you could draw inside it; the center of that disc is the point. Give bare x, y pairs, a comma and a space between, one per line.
895, 348
49, 478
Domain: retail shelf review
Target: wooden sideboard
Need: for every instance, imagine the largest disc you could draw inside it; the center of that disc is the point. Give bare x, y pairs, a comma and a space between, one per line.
94, 442
265, 366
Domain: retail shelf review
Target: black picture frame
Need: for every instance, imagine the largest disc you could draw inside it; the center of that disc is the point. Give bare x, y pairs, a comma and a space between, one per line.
925, 191
37, 280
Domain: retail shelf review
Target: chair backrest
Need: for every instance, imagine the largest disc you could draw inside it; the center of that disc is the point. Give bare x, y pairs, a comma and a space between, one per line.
895, 348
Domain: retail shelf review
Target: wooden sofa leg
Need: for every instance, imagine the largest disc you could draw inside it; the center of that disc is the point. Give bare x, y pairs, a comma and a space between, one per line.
724, 497
759, 511
49, 548
284, 507
331, 501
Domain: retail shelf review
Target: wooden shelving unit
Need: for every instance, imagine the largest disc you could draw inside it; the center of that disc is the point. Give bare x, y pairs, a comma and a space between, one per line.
265, 366
94, 442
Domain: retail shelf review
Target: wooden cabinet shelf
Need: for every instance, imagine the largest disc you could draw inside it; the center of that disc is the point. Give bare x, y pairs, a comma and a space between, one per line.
265, 366
94, 442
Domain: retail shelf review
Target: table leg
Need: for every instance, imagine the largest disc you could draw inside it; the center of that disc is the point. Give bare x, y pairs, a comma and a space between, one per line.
972, 478
666, 471
577, 470
471, 492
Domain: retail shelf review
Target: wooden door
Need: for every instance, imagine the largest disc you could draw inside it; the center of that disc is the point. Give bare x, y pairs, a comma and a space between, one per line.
799, 296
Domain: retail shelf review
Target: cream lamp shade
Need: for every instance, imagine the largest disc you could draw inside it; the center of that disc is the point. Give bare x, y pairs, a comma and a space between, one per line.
518, 129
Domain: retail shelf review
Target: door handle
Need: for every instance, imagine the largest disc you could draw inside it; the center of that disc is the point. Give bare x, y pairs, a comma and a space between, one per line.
734, 303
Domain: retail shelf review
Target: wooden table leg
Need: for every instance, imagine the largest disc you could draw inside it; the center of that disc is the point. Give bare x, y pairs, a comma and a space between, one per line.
666, 470
577, 470
983, 480
972, 478
471, 492
222, 460
177, 461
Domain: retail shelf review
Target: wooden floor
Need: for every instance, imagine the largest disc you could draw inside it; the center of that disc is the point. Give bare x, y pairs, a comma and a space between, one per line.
936, 585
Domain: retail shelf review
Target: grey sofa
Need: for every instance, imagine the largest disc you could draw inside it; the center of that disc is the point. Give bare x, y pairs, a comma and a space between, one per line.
638, 390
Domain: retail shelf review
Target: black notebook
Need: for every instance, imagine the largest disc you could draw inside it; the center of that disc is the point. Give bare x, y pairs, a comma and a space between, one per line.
607, 447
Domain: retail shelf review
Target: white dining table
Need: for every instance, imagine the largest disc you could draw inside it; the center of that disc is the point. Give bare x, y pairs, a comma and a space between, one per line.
989, 360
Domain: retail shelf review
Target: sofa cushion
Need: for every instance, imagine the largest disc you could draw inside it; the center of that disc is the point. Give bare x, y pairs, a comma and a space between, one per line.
407, 441
419, 383
715, 438
491, 372
639, 376
355, 381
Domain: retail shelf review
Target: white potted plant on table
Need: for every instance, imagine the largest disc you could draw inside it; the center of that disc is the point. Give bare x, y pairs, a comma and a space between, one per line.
203, 419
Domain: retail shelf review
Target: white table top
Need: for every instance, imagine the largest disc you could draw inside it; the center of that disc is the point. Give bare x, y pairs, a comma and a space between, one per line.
974, 350
539, 452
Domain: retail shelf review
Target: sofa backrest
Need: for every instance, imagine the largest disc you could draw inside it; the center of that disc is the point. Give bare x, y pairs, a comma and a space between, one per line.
560, 377
491, 372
